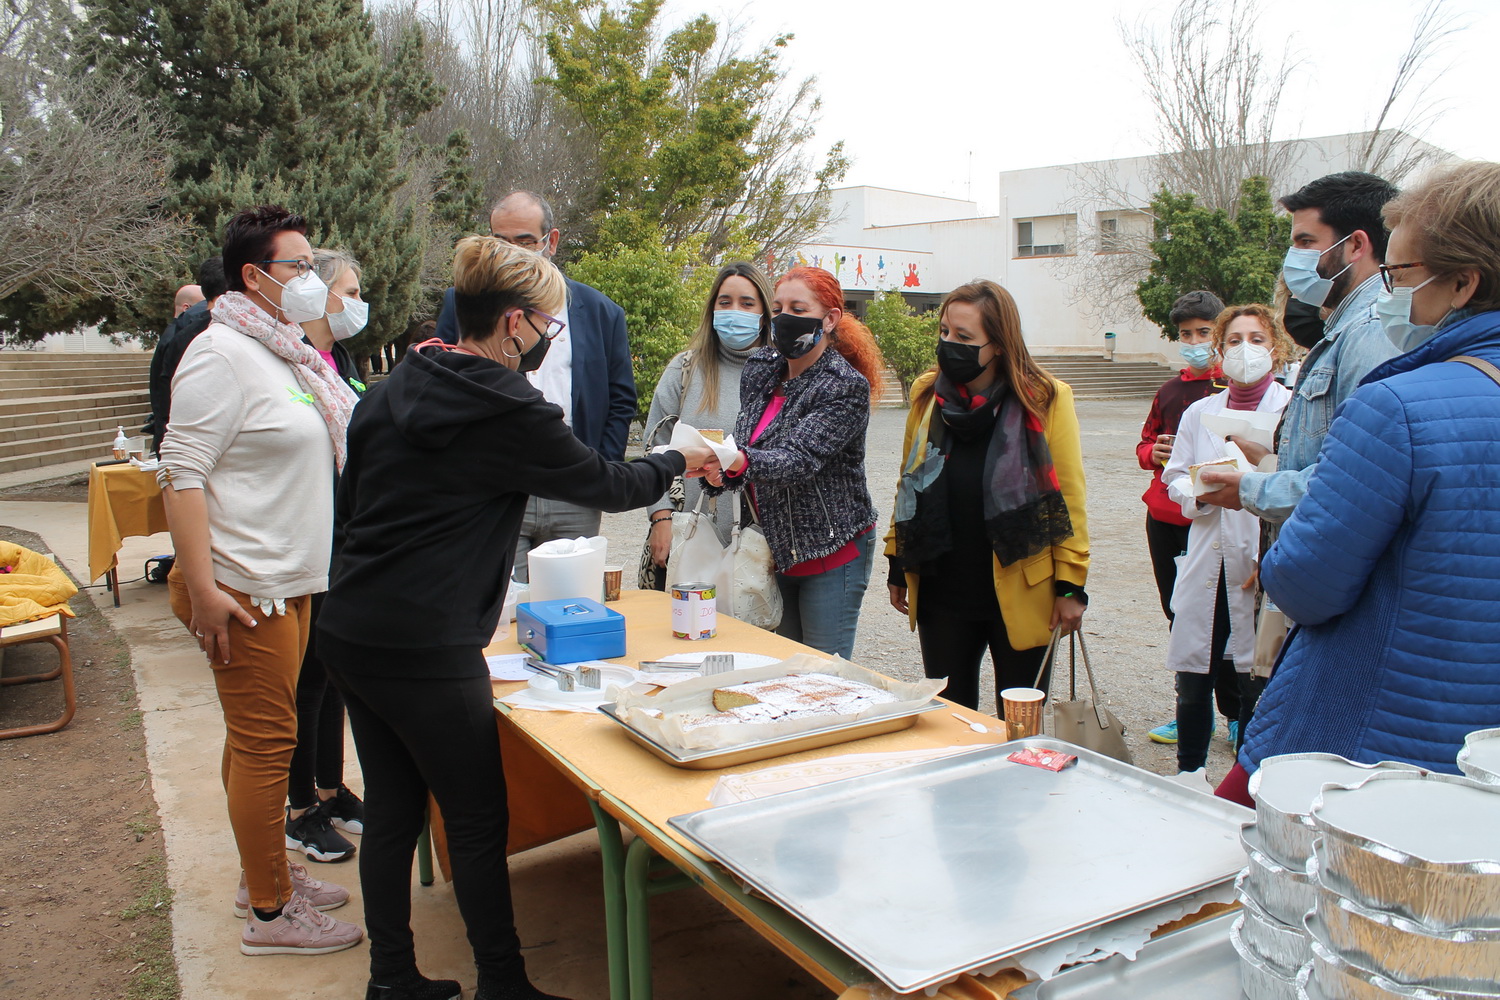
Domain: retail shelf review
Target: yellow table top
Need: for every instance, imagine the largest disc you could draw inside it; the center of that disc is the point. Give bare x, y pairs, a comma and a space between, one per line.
123, 502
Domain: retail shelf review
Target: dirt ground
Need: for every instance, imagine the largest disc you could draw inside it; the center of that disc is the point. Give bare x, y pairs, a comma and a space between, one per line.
84, 905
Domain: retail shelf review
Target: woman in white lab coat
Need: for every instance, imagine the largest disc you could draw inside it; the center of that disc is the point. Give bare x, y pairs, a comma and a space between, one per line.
1214, 600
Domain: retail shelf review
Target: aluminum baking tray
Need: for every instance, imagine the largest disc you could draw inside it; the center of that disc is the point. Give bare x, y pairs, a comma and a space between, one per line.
1285, 893
1405, 951
930, 870
1280, 945
1258, 978
1480, 757
1196, 962
1330, 976
1284, 789
712, 758
1420, 845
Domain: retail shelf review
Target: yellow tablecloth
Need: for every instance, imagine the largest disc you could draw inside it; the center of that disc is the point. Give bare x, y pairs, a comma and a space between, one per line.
123, 502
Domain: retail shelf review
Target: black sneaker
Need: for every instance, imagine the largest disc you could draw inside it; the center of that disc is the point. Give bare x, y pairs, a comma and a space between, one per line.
313, 834
412, 986
346, 811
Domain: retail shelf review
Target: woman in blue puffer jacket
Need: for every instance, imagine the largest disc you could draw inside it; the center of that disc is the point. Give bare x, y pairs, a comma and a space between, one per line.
1391, 563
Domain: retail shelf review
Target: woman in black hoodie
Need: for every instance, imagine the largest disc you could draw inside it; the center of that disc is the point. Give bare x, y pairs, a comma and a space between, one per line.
442, 457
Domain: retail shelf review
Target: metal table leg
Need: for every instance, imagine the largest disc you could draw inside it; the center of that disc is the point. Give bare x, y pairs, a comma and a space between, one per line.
643, 879
612, 853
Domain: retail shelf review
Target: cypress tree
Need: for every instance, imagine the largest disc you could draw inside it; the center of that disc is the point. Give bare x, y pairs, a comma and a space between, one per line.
284, 101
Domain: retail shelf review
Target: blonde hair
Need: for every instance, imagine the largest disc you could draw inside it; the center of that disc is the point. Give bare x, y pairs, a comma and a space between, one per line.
1281, 343
330, 263
1454, 219
703, 357
492, 277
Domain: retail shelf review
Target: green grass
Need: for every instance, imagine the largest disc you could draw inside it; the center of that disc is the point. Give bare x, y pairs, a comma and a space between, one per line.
154, 976
131, 721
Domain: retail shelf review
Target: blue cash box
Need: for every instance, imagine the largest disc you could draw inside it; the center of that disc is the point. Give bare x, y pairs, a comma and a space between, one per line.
570, 631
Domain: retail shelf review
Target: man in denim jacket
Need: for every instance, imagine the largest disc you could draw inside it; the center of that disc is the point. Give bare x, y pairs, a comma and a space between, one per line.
1337, 216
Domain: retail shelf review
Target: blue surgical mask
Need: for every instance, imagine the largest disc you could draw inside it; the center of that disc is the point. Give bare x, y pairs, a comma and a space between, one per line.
1196, 355
1394, 310
736, 328
1300, 270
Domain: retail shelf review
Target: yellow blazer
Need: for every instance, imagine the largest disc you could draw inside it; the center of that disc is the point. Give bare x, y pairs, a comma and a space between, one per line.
1025, 589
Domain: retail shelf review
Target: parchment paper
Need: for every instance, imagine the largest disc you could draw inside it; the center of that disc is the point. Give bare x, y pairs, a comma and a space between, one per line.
660, 716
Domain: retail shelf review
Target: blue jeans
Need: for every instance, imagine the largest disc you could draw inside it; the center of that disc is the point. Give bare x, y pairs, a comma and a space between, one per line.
823, 610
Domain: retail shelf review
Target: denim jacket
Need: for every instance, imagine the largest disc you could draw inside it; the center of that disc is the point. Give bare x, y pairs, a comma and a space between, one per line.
1353, 344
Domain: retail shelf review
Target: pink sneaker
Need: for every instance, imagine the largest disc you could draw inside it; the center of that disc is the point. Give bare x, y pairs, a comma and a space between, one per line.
298, 930
322, 895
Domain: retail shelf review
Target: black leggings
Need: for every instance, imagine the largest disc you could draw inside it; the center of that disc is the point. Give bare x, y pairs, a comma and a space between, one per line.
1165, 542
414, 735
953, 647
319, 757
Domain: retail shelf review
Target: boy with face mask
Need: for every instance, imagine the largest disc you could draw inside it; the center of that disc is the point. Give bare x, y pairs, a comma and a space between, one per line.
1193, 315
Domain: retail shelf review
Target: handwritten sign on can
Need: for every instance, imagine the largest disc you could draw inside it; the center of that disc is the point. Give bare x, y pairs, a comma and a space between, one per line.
695, 612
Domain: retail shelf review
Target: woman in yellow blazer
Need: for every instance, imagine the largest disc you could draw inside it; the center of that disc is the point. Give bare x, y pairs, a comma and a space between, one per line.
989, 523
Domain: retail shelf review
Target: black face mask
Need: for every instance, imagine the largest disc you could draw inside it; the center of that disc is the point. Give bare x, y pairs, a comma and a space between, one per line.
1304, 323
531, 359
960, 362
794, 336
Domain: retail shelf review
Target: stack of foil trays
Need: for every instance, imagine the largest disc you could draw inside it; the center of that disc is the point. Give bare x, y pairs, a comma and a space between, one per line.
1406, 883
1275, 889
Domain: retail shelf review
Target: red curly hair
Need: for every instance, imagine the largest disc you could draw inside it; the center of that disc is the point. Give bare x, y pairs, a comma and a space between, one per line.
851, 338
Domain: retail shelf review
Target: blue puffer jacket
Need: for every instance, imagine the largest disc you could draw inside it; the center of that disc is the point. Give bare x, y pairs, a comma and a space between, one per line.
1391, 565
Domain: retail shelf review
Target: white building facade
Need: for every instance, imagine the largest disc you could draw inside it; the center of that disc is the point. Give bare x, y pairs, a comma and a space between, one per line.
1058, 245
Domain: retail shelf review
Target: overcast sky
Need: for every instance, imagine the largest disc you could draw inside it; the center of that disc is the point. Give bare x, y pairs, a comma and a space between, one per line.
914, 87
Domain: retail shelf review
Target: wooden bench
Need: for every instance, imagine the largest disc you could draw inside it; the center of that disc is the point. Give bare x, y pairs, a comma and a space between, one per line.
54, 630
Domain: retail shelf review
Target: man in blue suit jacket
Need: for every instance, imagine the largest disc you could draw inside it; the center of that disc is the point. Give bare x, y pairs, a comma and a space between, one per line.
586, 372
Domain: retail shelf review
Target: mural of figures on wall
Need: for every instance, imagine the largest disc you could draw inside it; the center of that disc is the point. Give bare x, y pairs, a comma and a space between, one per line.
887, 268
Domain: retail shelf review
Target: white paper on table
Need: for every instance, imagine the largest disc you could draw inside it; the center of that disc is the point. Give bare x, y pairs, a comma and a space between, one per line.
508, 667
1252, 425
687, 436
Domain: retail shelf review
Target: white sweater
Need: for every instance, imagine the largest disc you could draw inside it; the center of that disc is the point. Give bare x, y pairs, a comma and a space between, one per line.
242, 431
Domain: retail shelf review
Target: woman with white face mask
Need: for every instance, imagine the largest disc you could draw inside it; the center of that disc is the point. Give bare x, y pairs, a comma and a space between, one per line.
1214, 598
1391, 562
344, 312
701, 387
320, 807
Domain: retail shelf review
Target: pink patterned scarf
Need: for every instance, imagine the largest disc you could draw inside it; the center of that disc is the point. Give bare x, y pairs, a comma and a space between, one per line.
330, 396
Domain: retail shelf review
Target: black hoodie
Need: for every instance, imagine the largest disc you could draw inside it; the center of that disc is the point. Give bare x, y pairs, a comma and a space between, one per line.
442, 457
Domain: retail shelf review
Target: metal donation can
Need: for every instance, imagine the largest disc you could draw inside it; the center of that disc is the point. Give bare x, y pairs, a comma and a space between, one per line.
695, 613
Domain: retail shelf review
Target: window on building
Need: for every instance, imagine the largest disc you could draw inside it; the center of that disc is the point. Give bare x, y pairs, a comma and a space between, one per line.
1120, 230
1045, 236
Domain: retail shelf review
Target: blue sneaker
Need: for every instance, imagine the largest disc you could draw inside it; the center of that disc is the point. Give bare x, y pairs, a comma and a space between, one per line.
1234, 733
1164, 734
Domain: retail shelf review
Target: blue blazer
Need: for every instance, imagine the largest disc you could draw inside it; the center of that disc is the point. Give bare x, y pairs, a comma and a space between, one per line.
603, 382
1391, 567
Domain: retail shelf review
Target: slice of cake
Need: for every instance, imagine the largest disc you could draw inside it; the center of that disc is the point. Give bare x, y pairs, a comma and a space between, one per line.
802, 694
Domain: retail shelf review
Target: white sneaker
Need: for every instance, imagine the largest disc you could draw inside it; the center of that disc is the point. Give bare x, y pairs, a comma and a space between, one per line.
1196, 780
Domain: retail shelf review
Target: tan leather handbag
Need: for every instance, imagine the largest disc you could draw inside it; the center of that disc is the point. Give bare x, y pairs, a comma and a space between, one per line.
1084, 722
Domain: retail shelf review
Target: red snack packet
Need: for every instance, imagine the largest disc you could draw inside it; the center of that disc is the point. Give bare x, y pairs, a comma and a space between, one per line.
1051, 760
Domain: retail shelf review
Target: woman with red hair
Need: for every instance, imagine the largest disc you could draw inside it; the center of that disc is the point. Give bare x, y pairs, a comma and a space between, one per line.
804, 410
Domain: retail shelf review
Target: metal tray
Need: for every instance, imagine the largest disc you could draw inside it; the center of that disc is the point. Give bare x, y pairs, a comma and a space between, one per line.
1258, 978
1196, 962
716, 757
1332, 977
930, 870
1420, 845
1285, 893
1480, 757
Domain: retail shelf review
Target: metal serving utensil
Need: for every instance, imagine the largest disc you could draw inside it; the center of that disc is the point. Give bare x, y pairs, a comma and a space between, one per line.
662, 665
717, 663
567, 680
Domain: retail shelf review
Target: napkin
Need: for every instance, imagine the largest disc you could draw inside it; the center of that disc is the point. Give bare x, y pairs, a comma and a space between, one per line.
686, 436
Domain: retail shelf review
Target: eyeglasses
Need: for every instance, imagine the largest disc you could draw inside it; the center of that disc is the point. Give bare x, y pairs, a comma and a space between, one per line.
554, 325
1386, 269
525, 241
304, 268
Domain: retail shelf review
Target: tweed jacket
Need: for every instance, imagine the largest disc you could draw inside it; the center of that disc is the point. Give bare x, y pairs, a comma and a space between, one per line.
808, 466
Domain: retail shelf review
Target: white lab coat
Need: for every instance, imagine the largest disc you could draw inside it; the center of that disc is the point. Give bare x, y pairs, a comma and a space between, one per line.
1218, 537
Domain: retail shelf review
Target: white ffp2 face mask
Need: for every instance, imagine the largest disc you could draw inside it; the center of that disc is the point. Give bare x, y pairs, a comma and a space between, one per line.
1247, 363
303, 299
346, 324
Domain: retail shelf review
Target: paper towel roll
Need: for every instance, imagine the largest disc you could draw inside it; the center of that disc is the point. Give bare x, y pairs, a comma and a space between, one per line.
567, 568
